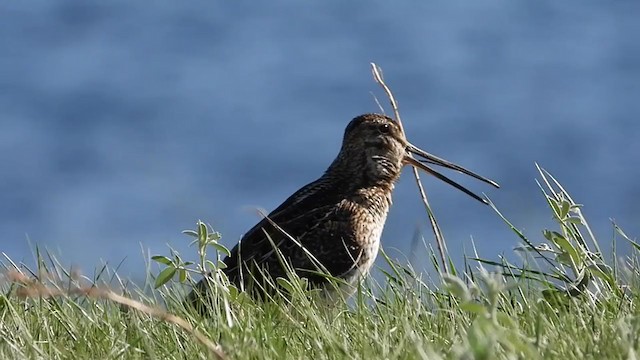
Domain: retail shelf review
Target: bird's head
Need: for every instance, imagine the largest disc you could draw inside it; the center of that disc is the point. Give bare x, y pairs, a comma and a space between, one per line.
375, 147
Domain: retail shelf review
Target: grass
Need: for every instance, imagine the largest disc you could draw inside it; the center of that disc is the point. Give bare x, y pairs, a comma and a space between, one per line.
563, 300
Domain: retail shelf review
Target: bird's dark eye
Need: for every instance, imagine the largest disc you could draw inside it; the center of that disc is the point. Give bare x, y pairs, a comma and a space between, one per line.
384, 128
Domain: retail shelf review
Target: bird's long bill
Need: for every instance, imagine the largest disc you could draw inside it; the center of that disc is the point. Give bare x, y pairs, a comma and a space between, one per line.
426, 158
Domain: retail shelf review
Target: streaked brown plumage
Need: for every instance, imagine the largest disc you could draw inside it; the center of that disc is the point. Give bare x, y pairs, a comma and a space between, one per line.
339, 217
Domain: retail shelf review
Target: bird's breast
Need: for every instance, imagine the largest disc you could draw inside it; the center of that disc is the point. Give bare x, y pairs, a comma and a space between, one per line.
368, 225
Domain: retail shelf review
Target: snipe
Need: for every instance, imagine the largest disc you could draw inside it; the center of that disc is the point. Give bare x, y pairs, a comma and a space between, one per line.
335, 222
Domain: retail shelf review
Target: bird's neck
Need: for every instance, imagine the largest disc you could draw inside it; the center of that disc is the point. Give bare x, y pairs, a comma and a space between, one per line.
358, 171
372, 194
375, 199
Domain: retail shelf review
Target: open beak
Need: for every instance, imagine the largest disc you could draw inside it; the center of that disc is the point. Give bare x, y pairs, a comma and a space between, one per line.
427, 158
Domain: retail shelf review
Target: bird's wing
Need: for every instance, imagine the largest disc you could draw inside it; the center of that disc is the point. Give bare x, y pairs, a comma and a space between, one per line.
296, 216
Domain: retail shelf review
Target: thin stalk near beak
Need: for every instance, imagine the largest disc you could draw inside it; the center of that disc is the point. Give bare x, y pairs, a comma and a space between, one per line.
427, 158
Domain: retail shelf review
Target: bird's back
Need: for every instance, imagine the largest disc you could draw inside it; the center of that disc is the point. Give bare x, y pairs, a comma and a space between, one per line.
327, 226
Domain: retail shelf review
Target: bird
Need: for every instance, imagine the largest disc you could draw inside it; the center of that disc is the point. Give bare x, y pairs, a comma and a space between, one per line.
334, 224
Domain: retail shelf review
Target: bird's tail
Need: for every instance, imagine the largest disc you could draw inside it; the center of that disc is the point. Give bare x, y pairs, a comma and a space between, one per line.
199, 297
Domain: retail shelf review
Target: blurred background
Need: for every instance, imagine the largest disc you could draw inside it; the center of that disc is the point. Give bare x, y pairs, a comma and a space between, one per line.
122, 124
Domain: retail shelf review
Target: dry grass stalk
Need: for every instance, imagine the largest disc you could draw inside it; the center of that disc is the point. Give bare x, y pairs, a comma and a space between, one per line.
442, 247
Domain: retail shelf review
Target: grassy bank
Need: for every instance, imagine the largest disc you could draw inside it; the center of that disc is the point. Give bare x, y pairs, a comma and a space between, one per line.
564, 300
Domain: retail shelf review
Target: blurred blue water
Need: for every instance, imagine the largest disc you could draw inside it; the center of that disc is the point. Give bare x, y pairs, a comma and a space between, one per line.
123, 123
